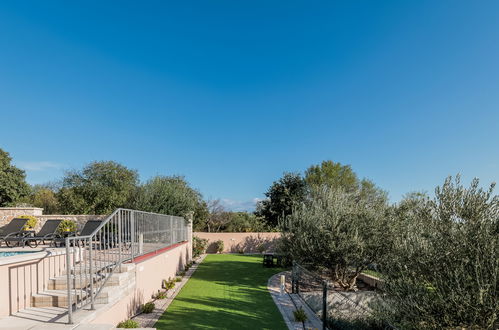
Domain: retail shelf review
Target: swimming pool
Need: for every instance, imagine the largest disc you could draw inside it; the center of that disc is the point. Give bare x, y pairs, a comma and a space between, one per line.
14, 253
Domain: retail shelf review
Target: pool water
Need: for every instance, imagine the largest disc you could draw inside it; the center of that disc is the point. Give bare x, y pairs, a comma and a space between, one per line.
14, 253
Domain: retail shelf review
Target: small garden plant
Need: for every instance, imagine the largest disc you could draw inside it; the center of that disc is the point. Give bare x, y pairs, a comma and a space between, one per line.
160, 295
219, 246
300, 315
66, 226
148, 307
168, 284
128, 324
31, 223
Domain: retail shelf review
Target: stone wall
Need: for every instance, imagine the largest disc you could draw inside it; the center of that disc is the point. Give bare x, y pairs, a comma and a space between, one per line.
9, 213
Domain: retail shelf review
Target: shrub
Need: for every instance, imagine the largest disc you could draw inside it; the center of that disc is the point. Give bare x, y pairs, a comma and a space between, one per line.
168, 284
67, 226
444, 274
32, 221
160, 295
148, 307
240, 251
181, 273
128, 324
178, 279
300, 315
219, 246
199, 246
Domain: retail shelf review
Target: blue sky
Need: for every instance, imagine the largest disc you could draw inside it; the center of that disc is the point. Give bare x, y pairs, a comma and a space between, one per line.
233, 93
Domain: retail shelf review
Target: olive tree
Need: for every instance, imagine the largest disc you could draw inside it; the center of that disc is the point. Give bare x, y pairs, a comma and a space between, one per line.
338, 231
445, 272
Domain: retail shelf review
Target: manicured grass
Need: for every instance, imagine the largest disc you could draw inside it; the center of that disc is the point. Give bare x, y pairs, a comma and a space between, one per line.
226, 292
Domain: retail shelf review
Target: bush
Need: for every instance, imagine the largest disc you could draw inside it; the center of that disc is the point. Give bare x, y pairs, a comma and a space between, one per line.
148, 307
219, 246
32, 221
160, 295
178, 279
128, 324
444, 274
300, 315
66, 226
198, 246
168, 284
261, 248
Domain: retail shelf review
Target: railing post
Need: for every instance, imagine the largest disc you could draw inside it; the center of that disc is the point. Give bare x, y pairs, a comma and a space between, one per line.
119, 236
68, 276
324, 305
132, 233
92, 303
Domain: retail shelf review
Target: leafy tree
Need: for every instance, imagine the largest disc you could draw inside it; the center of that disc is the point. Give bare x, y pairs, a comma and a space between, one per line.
445, 272
282, 195
99, 188
332, 174
170, 195
338, 231
338, 176
13, 184
245, 222
44, 197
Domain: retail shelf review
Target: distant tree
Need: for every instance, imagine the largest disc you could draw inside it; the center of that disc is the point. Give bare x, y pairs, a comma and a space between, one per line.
338, 176
99, 188
218, 217
45, 197
170, 195
201, 215
282, 195
13, 184
245, 222
333, 175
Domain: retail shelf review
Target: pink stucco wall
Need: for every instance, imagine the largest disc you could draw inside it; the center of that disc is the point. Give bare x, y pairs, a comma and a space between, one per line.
20, 280
149, 275
234, 242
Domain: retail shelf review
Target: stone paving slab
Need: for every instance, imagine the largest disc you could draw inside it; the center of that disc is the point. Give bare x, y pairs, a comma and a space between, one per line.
287, 303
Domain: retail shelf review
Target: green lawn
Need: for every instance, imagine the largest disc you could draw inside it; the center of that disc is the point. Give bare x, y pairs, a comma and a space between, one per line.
226, 292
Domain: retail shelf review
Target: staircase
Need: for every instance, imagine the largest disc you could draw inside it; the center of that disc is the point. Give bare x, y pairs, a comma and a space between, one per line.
119, 282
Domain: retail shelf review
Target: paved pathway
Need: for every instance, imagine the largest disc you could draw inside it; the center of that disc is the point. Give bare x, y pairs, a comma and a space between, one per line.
287, 303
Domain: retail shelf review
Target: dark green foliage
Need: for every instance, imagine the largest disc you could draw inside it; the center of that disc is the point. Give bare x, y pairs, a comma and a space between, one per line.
300, 315
198, 246
13, 186
282, 195
333, 175
128, 324
445, 272
99, 188
170, 195
148, 307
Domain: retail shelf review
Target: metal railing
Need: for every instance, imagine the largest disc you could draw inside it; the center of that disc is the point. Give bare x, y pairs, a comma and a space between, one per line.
121, 237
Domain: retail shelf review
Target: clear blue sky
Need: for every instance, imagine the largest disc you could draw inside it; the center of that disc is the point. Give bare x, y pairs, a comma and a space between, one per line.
233, 93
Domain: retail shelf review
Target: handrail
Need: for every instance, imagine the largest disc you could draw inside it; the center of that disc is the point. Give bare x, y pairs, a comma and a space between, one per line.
124, 235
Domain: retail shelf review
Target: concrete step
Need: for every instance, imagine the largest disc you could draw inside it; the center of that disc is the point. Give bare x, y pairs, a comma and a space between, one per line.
84, 268
83, 281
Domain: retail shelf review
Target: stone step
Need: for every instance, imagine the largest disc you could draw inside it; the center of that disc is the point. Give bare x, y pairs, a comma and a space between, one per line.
82, 268
79, 282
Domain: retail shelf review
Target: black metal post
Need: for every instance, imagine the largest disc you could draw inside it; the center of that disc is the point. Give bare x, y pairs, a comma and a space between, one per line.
324, 305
